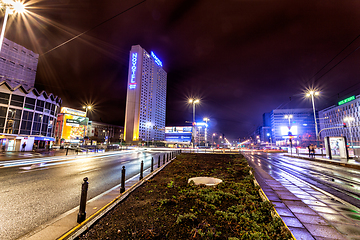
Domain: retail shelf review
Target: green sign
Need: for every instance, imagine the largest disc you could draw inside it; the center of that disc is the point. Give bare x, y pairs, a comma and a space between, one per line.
346, 100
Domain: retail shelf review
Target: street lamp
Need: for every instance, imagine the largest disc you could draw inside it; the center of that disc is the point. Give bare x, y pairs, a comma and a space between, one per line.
10, 7
313, 94
86, 109
206, 126
289, 117
148, 125
349, 120
268, 134
194, 102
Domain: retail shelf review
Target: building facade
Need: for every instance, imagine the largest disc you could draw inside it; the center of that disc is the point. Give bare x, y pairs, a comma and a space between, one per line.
26, 116
71, 126
18, 65
105, 133
297, 123
342, 119
146, 97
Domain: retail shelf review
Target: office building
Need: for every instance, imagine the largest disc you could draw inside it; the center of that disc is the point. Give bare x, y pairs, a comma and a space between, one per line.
146, 97
26, 116
342, 120
18, 65
298, 124
99, 132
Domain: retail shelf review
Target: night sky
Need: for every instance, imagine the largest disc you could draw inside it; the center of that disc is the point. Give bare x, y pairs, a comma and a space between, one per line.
240, 58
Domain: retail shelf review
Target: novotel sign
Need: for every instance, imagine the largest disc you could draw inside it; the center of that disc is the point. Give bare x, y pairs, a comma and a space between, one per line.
157, 60
132, 84
346, 100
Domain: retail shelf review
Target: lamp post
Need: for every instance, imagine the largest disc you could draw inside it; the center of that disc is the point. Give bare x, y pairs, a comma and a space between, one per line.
148, 125
312, 94
85, 130
10, 7
206, 121
349, 120
194, 102
268, 134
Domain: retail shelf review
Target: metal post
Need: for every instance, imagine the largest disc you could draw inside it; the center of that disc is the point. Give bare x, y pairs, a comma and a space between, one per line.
152, 164
159, 161
67, 150
122, 187
82, 214
164, 159
141, 170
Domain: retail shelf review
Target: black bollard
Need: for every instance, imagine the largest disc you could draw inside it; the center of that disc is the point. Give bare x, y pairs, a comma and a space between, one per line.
141, 170
82, 214
122, 186
159, 162
152, 164
67, 150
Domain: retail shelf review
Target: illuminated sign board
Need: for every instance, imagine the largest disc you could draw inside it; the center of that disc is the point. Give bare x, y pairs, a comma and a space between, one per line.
285, 131
346, 100
132, 84
157, 60
73, 111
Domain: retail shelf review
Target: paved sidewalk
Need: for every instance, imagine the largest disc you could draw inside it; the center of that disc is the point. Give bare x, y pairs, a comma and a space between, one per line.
309, 212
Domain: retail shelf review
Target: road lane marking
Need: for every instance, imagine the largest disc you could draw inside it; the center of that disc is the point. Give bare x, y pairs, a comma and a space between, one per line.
91, 170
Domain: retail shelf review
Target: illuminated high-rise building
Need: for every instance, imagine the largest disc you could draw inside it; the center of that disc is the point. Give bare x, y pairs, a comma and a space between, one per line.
146, 97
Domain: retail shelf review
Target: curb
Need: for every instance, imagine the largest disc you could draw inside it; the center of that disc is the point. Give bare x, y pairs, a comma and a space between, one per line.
87, 223
348, 165
274, 213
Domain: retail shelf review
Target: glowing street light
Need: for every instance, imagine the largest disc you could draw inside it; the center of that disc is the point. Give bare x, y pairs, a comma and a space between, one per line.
86, 109
10, 7
313, 94
193, 102
206, 126
349, 120
289, 117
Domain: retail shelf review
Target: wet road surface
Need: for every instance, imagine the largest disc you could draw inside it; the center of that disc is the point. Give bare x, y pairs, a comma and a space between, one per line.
35, 191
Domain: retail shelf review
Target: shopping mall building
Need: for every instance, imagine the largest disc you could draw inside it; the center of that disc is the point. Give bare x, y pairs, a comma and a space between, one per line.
27, 118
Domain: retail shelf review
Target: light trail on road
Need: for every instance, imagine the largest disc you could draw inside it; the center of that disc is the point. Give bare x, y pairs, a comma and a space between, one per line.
35, 191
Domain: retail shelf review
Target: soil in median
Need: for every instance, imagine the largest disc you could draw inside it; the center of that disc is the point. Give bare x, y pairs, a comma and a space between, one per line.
167, 207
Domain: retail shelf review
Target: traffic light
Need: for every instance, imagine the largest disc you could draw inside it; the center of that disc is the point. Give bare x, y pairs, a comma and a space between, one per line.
344, 125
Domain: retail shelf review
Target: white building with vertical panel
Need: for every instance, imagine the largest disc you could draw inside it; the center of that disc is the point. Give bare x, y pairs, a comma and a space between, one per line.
146, 97
18, 64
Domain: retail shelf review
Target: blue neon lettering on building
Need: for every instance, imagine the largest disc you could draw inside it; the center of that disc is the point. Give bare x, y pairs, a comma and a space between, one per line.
132, 84
158, 62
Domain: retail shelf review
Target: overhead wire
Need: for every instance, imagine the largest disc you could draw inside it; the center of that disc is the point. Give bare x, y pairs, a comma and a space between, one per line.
105, 21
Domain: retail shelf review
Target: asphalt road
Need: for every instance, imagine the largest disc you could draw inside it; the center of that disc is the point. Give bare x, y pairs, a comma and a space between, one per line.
339, 181
35, 191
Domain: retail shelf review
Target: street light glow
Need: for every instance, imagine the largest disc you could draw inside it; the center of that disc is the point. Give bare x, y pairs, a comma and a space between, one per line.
18, 7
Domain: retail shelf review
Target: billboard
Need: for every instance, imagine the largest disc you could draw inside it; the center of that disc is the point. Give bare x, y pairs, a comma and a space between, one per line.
286, 131
178, 137
74, 127
336, 147
178, 134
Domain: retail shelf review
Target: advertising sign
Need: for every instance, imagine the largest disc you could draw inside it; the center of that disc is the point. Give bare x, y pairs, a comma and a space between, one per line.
285, 131
336, 147
74, 127
178, 137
